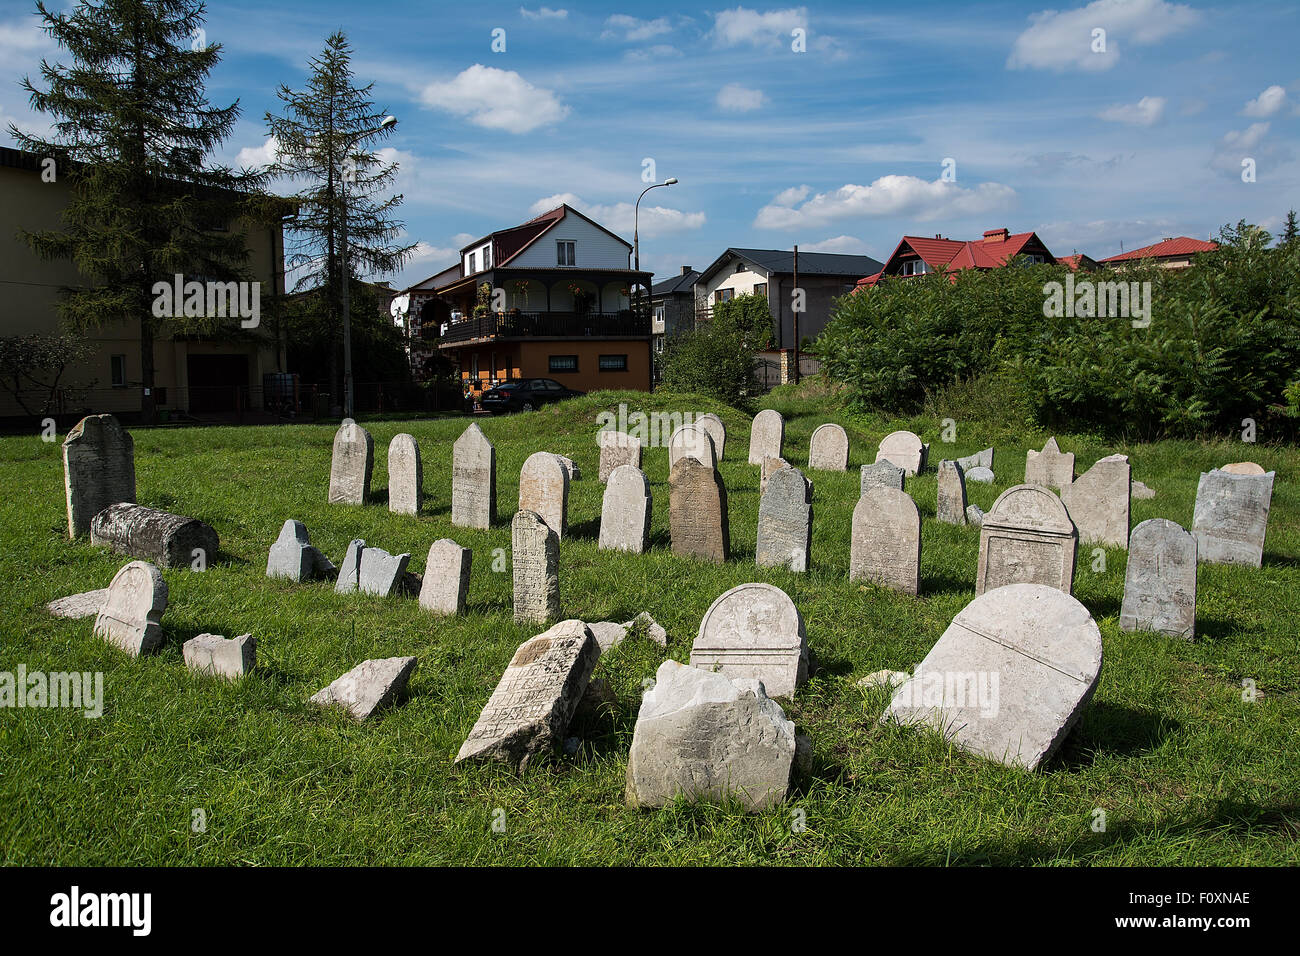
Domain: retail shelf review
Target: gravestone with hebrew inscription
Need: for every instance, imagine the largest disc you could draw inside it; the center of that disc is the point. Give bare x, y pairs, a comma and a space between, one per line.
904, 449
405, 476
1160, 580
766, 436
885, 545
697, 512
785, 522
625, 511
1099, 500
717, 431
98, 469
1027, 537
1231, 517
950, 500
1051, 467
754, 631
692, 441
352, 465
132, 613
473, 480
544, 489
536, 568
446, 578
883, 474
618, 448
828, 449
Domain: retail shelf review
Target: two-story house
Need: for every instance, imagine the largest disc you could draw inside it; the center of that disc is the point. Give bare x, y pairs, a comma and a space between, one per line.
919, 255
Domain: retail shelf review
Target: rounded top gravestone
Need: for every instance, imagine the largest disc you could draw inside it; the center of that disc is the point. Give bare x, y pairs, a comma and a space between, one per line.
754, 631
902, 448
692, 441
544, 489
132, 612
1027, 537
828, 450
766, 436
717, 431
1030, 506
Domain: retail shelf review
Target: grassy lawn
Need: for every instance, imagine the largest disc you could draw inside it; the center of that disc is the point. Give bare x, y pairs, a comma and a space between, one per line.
1186, 770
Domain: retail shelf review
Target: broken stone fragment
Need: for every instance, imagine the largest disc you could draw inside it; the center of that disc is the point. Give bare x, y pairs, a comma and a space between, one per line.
369, 686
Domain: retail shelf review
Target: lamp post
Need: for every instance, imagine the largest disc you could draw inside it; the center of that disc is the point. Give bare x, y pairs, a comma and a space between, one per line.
636, 215
348, 410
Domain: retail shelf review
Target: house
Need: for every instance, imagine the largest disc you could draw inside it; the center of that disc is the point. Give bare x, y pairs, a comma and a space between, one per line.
919, 255
1170, 253
1078, 261
193, 374
823, 277
672, 304
550, 298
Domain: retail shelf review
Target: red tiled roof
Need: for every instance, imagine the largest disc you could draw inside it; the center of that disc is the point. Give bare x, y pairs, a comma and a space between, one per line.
955, 254
1179, 246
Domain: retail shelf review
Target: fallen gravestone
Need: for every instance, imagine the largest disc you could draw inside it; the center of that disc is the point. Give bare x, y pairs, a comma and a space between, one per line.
653, 630
766, 436
1050, 467
785, 522
692, 441
368, 687
981, 474
294, 557
981, 459
1027, 538
352, 465
1160, 580
473, 480
1098, 502
98, 469
381, 573
618, 448
717, 431
1231, 517
131, 615
828, 450
1140, 490
213, 654
172, 541
544, 490
883, 474
536, 569
885, 542
608, 634
754, 630
697, 512
405, 476
625, 511
446, 578
904, 449
85, 604
950, 503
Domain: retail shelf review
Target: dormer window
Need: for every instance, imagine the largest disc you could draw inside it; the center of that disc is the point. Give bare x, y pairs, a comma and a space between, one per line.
566, 252
914, 267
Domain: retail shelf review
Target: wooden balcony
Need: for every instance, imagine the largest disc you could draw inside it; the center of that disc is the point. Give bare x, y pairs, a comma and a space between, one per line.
628, 323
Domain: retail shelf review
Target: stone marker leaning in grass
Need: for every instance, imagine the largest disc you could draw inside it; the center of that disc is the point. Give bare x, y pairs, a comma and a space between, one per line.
950, 500
1099, 500
1160, 580
625, 511
405, 476
885, 545
692, 441
294, 557
98, 469
1027, 537
717, 431
828, 449
473, 480
172, 541
132, 614
785, 521
544, 489
446, 578
766, 436
883, 474
352, 464
368, 687
904, 449
1231, 517
1051, 467
617, 448
213, 654
697, 512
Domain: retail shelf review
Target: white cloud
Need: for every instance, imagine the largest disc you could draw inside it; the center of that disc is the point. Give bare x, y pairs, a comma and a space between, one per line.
844, 245
1236, 145
658, 50
631, 29
887, 196
1267, 103
1145, 112
496, 99
618, 217
735, 98
543, 13
743, 26
788, 197
259, 156
1062, 40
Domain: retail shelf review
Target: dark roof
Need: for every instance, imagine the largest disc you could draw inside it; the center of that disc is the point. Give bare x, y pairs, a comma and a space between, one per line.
810, 263
675, 284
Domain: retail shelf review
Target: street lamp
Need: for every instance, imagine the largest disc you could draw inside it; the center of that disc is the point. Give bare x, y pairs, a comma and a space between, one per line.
636, 215
388, 123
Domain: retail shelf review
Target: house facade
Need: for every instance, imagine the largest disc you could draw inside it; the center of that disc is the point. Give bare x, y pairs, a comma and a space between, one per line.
1174, 253
672, 304
920, 255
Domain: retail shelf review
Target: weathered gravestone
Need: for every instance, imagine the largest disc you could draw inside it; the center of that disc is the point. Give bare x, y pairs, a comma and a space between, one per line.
950, 503
446, 578
294, 557
904, 449
1027, 537
131, 615
405, 476
1050, 467
381, 573
570, 467
625, 511
530, 710
785, 521
692, 441
213, 654
98, 469
618, 448
1231, 517
172, 541
975, 515
754, 630
350, 569
1009, 677
1098, 502
828, 449
1160, 580
981, 474
707, 737
883, 474
765, 471
473, 480
544, 489
981, 459
1243, 468
766, 436
697, 512
368, 687
717, 431
76, 606
536, 568
885, 544
352, 465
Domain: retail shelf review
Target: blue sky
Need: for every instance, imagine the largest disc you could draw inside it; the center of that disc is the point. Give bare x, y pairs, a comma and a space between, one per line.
839, 148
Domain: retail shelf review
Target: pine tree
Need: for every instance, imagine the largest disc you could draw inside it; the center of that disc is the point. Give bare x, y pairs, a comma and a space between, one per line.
322, 142
1290, 233
131, 134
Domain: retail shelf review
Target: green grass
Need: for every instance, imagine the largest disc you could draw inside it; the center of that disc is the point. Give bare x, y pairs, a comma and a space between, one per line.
1187, 771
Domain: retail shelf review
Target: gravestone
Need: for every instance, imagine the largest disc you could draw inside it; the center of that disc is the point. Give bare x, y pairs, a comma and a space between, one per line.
381, 573
1098, 502
1139, 490
98, 469
950, 503
133, 610
1027, 537
981, 459
765, 471
625, 511
171, 541
352, 465
571, 468
766, 436
717, 431
885, 545
1231, 517
473, 480
904, 449
1050, 467
692, 441
544, 490
405, 476
697, 512
350, 570
1243, 468
530, 709
1160, 580
536, 568
883, 474
828, 450
975, 515
754, 631
446, 578
981, 474
213, 654
294, 557
1009, 677
76, 606
785, 522
368, 687
618, 448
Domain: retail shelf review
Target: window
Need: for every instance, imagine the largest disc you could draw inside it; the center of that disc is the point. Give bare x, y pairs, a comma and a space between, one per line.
760, 288
563, 363
565, 252
487, 257
915, 267
723, 295
473, 263
117, 363
613, 363
660, 313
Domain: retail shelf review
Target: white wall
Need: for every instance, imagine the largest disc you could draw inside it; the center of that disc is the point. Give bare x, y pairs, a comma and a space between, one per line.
595, 248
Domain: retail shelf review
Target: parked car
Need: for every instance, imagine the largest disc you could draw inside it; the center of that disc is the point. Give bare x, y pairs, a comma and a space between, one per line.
525, 395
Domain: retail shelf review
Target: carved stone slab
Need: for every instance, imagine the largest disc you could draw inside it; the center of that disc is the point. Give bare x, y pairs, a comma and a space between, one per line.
1027, 538
754, 631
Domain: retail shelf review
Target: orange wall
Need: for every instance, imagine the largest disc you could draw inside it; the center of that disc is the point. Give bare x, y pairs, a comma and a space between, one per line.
531, 359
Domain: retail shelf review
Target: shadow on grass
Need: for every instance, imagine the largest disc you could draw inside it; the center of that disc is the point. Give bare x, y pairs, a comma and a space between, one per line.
933, 584
588, 530
1112, 729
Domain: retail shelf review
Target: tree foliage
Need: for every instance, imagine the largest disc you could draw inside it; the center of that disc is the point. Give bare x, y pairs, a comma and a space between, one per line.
717, 358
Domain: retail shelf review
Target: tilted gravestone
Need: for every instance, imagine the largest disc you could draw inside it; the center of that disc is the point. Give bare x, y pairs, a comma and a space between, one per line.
132, 613
883, 474
885, 545
828, 449
785, 522
473, 480
1051, 467
766, 436
765, 471
1009, 677
544, 489
625, 511
83, 604
368, 687
1231, 517
754, 630
446, 578
717, 431
381, 573
904, 449
697, 512
350, 568
213, 654
1160, 580
98, 469
692, 441
1027, 537
536, 568
981, 459
950, 501
618, 448
405, 476
172, 541
294, 557
530, 709
352, 465
1099, 500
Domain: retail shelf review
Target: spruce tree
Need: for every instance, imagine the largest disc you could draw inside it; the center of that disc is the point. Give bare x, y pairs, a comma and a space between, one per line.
1289, 231
132, 131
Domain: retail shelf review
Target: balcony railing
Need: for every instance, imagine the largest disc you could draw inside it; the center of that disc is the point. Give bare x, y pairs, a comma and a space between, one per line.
558, 324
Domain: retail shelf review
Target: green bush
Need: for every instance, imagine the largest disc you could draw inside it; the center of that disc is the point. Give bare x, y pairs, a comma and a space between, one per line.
717, 358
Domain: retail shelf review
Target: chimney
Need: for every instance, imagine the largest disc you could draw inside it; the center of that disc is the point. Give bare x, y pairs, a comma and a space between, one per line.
687, 270
997, 235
